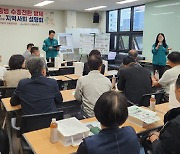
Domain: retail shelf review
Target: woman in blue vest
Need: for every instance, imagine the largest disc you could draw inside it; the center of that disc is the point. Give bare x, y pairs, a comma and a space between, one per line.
160, 50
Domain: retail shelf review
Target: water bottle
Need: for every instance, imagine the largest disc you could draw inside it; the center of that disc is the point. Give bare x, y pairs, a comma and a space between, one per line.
152, 102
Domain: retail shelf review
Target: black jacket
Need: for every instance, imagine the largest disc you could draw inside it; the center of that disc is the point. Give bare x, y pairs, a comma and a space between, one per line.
135, 82
37, 95
111, 141
87, 70
169, 139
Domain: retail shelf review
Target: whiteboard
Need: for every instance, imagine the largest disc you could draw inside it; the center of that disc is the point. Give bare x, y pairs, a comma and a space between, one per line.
86, 43
77, 31
102, 42
66, 42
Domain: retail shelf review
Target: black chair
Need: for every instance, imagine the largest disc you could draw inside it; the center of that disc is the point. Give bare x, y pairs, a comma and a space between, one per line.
66, 70
7, 91
34, 122
145, 101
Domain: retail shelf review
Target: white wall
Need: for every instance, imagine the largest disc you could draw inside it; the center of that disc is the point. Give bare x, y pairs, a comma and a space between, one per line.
14, 38
161, 19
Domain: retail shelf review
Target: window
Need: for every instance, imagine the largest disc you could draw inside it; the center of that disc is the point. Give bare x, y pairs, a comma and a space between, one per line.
137, 43
124, 43
138, 24
125, 19
113, 15
126, 27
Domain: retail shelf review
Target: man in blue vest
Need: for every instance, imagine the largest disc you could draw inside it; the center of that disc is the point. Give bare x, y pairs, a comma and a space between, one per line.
50, 46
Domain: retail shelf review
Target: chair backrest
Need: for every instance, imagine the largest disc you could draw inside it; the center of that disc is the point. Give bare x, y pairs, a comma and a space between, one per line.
7, 91
145, 101
38, 121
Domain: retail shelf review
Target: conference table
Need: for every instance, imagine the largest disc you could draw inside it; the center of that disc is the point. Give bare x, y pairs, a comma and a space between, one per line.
68, 95
162, 108
39, 140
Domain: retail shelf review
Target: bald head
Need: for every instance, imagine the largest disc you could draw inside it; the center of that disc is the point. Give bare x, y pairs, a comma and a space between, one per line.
133, 53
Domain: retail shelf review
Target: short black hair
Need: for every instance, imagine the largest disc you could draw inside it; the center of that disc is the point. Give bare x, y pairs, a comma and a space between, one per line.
95, 52
51, 31
94, 62
33, 49
178, 82
30, 45
111, 109
127, 60
16, 61
35, 65
174, 57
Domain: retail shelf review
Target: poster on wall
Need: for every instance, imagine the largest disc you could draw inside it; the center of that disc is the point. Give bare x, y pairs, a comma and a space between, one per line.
86, 43
25, 17
102, 42
66, 42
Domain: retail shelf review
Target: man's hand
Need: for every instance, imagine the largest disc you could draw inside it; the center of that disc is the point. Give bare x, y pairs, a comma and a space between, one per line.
153, 136
50, 48
57, 48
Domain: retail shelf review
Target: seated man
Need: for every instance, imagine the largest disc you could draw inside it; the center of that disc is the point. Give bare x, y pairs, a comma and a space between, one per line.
170, 76
90, 87
27, 53
111, 111
167, 141
133, 54
37, 94
134, 81
36, 53
86, 67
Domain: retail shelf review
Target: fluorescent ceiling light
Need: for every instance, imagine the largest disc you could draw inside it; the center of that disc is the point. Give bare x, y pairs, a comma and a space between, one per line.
126, 1
166, 5
95, 8
44, 3
162, 13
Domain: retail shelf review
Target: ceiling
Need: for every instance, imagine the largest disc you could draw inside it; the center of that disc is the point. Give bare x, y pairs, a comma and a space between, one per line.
76, 5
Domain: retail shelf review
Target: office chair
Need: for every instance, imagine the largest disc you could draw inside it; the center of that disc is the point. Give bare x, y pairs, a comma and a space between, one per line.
145, 100
34, 122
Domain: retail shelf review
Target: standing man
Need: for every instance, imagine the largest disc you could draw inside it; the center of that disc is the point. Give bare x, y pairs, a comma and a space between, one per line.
50, 46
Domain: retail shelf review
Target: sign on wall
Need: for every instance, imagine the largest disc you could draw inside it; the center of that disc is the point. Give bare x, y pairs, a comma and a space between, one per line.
24, 17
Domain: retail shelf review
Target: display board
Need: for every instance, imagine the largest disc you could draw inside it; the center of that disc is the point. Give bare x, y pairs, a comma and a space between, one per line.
76, 32
86, 43
102, 42
66, 42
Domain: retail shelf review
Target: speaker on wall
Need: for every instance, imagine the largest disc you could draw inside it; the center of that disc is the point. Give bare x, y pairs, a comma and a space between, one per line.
96, 17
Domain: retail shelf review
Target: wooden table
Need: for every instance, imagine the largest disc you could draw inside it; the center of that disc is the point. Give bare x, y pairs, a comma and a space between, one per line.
72, 76
39, 140
66, 94
162, 108
60, 77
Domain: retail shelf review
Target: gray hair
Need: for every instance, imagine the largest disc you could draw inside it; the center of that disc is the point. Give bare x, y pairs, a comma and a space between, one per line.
133, 53
35, 65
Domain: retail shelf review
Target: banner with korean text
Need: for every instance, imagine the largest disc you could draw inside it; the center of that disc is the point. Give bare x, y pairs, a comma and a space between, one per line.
25, 17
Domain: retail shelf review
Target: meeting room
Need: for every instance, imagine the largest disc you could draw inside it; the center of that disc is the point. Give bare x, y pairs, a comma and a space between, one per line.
89, 77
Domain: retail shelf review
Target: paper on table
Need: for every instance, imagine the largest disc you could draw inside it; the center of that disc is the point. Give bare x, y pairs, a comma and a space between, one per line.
142, 114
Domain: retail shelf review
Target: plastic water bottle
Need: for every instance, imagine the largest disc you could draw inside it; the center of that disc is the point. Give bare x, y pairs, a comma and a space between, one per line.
152, 102
54, 132
156, 74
